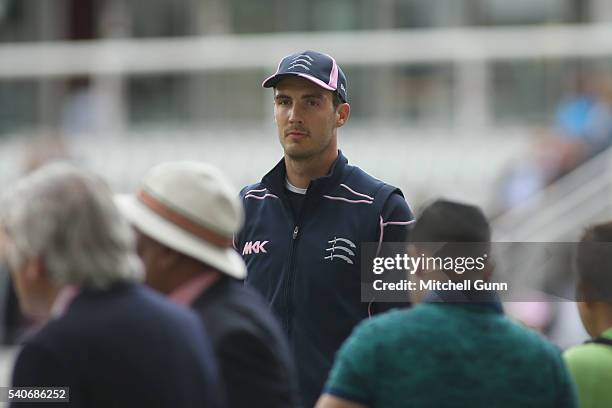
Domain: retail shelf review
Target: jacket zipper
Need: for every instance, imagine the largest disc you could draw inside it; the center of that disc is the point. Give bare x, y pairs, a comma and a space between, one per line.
290, 280
295, 232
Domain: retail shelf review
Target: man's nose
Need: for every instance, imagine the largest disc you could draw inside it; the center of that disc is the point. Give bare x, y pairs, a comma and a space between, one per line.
295, 114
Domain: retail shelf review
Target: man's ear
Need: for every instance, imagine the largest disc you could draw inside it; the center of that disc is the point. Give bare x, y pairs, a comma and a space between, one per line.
342, 114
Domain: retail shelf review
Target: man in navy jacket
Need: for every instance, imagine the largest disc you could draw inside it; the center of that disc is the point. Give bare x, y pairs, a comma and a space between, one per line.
111, 341
306, 219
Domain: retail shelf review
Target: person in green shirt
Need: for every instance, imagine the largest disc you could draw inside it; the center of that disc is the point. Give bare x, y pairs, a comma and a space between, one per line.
454, 348
591, 364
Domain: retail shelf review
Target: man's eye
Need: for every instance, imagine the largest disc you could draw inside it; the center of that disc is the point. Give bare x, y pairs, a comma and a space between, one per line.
313, 102
282, 102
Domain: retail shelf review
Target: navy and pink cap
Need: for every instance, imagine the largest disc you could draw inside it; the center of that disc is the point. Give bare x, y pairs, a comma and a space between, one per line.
314, 66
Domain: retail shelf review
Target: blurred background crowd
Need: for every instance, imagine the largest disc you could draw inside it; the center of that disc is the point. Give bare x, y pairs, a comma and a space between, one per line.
507, 105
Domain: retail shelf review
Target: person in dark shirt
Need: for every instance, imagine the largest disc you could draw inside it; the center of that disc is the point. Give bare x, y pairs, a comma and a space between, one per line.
186, 214
455, 348
105, 337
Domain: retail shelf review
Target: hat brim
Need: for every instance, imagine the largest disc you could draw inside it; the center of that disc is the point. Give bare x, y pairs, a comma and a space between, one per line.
276, 78
226, 260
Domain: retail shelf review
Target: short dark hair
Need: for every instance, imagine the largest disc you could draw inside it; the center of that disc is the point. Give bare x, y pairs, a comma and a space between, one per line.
449, 221
462, 227
594, 263
336, 100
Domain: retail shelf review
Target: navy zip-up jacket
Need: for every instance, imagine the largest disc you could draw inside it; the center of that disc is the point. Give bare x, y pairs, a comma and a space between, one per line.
307, 265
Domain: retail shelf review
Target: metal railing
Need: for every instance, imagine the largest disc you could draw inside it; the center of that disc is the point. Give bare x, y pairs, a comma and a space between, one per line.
563, 209
469, 50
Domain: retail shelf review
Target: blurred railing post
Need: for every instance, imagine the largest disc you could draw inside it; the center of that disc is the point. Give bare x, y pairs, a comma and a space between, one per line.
471, 98
50, 18
111, 100
601, 11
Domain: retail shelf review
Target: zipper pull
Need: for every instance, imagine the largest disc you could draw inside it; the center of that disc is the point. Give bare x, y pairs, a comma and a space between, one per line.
295, 232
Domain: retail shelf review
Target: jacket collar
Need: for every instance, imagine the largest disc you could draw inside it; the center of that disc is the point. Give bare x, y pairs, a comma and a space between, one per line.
189, 291
274, 180
473, 298
63, 300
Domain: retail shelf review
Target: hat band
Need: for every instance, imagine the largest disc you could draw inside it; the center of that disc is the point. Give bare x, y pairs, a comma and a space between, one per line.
183, 222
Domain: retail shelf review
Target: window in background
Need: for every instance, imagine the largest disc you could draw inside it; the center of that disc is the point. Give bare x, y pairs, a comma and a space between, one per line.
13, 22
157, 99
425, 13
205, 98
230, 97
32, 20
341, 15
419, 94
423, 94
452, 13
161, 18
249, 16
503, 12
19, 107
530, 91
268, 16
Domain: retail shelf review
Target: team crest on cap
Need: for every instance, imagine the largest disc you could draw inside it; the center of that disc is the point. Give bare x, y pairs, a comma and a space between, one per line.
300, 60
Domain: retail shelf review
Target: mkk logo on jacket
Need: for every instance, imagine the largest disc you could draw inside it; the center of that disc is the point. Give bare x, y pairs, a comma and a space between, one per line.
254, 247
340, 248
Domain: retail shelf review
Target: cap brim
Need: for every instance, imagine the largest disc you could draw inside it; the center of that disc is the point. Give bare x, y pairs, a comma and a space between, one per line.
226, 260
276, 78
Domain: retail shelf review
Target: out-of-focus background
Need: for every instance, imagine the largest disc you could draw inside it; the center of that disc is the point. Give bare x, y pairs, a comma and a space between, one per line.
505, 104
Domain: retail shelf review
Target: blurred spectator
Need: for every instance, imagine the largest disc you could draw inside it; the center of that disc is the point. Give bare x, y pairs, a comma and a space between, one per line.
582, 128
113, 342
80, 113
37, 153
583, 122
591, 363
462, 352
186, 214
